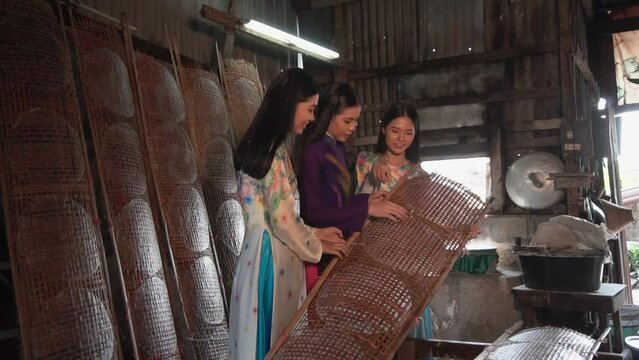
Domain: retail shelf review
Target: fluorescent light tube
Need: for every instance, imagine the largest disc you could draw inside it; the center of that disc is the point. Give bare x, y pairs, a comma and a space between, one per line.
272, 34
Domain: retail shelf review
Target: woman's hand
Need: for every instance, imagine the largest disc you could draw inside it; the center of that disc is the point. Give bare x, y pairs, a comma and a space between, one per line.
329, 234
338, 249
388, 210
332, 241
378, 196
382, 172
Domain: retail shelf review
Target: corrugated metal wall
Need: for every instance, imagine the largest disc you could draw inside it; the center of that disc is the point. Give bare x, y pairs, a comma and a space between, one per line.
196, 35
485, 75
382, 33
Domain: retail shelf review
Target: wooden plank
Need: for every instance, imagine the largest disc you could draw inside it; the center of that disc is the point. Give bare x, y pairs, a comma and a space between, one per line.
390, 30
549, 141
454, 61
434, 27
545, 124
497, 188
551, 16
478, 28
382, 36
319, 4
373, 94
350, 38
357, 35
366, 44
454, 151
366, 95
396, 14
372, 31
568, 105
498, 96
339, 31
493, 24
221, 17
422, 30
359, 88
609, 356
454, 132
509, 19
447, 348
412, 15
383, 88
615, 26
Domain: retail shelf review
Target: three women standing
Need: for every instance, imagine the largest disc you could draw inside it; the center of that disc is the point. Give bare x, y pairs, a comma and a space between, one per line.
269, 285
270, 282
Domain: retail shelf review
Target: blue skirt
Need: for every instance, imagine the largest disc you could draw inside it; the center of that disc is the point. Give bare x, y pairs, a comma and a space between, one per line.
423, 329
265, 299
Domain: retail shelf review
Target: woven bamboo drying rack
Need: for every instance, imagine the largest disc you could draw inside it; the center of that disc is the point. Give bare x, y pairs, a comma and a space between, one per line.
174, 165
363, 306
548, 343
58, 262
245, 93
209, 121
114, 121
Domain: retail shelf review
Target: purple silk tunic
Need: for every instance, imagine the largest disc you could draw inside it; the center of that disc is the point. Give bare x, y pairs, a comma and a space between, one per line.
324, 184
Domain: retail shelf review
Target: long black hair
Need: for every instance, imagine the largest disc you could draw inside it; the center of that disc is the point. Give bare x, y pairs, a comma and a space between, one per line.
398, 110
272, 122
333, 100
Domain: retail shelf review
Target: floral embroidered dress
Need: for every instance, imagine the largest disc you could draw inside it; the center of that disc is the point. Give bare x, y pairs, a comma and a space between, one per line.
269, 284
366, 183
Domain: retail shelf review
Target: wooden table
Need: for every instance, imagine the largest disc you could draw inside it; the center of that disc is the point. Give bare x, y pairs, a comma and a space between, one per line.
605, 301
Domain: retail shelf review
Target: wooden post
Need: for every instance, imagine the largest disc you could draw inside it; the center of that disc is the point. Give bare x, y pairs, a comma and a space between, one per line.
615, 187
567, 100
229, 38
497, 190
339, 41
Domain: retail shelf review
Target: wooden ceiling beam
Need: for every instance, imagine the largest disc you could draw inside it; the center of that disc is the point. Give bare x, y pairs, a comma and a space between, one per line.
221, 17
319, 4
615, 26
305, 5
453, 61
483, 98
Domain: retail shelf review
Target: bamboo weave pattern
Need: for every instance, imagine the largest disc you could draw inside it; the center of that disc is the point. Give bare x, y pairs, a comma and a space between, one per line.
58, 261
368, 302
173, 159
208, 116
110, 105
548, 342
244, 91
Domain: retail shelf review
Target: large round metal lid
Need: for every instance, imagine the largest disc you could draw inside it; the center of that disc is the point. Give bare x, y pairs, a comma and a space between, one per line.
528, 183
